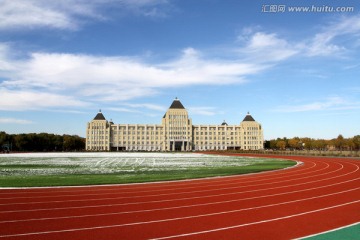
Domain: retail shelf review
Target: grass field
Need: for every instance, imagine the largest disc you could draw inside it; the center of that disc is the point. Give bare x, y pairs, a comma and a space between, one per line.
68, 169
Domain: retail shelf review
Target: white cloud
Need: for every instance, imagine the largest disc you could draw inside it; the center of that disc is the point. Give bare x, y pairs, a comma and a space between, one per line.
192, 69
137, 108
20, 100
141, 107
5, 64
15, 121
33, 14
47, 80
122, 109
206, 111
320, 46
147, 8
324, 43
330, 103
352, 66
68, 14
149, 106
64, 71
262, 40
267, 47
54, 79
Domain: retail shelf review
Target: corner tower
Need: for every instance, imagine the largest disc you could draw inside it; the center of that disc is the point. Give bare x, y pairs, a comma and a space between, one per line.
98, 134
252, 133
177, 128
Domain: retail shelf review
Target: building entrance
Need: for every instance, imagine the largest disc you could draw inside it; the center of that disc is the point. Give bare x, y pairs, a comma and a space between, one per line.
178, 146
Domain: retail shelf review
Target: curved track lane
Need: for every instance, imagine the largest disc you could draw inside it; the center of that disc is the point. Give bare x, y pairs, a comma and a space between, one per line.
318, 195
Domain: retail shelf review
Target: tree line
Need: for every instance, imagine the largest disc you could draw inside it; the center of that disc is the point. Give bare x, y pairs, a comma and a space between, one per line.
40, 142
45, 142
340, 144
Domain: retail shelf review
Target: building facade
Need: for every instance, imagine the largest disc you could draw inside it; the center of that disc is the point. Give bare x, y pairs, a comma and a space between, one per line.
175, 133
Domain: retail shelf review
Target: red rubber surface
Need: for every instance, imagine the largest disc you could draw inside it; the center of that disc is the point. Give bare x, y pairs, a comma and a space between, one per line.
316, 196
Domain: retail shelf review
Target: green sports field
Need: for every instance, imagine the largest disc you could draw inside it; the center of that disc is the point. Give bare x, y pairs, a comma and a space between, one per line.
69, 169
348, 233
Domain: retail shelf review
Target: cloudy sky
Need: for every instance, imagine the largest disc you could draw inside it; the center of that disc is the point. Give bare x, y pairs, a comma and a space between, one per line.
297, 73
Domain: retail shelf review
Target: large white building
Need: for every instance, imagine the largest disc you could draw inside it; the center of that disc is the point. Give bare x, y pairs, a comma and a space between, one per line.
175, 133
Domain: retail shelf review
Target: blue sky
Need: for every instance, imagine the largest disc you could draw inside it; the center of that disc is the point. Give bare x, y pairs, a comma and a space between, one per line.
298, 73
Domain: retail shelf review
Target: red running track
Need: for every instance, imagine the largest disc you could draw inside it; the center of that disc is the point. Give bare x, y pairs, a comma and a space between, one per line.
318, 195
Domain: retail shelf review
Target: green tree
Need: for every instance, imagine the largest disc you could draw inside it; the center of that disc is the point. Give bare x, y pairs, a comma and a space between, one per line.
294, 143
340, 142
46, 142
356, 141
281, 144
267, 144
73, 143
308, 143
350, 144
5, 141
273, 144
21, 142
319, 144
3, 137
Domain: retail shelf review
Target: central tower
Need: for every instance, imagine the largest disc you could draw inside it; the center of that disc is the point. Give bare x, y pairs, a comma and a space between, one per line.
177, 128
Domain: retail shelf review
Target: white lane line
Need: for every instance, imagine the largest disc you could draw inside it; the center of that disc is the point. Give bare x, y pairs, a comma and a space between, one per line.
172, 208
180, 199
189, 217
258, 222
161, 201
163, 194
332, 230
224, 183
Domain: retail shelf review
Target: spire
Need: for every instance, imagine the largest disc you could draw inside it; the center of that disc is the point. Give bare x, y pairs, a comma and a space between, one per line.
177, 104
99, 116
249, 118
